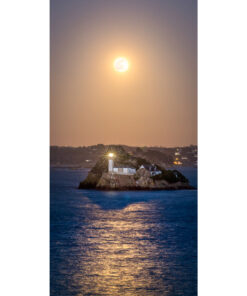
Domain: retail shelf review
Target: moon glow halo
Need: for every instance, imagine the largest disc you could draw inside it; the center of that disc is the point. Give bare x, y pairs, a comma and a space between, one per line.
121, 64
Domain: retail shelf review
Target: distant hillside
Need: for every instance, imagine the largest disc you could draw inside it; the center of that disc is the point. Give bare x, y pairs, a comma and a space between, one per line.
75, 156
86, 157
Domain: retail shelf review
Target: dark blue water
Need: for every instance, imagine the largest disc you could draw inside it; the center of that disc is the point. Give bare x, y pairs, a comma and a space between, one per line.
122, 243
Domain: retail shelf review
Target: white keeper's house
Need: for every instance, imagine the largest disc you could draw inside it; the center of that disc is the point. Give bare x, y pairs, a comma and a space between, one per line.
124, 170
121, 169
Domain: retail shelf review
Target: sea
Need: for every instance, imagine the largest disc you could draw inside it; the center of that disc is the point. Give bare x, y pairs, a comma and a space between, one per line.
121, 243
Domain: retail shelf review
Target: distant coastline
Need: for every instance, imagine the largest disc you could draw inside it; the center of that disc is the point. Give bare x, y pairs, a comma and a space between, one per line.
69, 167
86, 157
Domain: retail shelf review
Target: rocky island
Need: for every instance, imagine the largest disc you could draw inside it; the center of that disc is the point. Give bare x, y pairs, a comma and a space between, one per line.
118, 170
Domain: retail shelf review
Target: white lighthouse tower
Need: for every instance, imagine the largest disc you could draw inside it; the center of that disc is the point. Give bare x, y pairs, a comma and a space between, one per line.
110, 162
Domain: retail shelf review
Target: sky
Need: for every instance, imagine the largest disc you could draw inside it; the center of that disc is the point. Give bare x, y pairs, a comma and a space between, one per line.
154, 103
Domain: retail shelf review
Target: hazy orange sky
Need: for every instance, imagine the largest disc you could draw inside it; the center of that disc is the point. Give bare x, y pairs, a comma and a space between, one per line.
154, 102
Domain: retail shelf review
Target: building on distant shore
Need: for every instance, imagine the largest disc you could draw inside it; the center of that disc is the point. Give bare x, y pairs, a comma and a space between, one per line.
177, 161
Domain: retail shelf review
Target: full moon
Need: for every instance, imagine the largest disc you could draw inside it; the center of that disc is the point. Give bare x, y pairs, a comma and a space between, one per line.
121, 64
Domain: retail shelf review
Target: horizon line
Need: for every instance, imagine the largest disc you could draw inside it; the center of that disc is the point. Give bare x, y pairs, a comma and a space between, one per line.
133, 146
